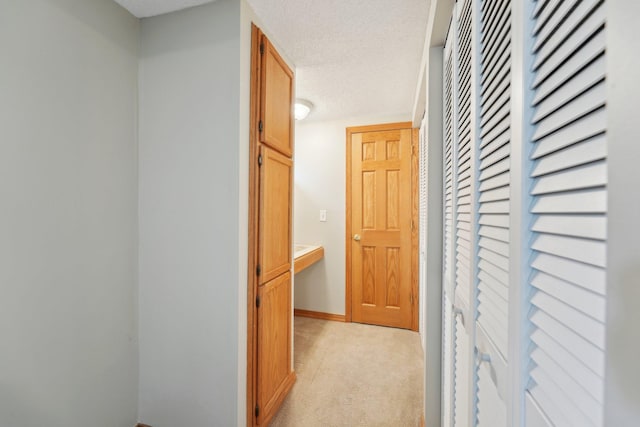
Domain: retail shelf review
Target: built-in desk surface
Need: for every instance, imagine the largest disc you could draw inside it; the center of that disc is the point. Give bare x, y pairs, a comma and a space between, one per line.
305, 256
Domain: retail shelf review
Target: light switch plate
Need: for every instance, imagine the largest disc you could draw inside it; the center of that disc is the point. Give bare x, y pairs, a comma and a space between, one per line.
323, 215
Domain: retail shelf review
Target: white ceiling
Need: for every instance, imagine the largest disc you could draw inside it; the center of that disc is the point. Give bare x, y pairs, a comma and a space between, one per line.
353, 58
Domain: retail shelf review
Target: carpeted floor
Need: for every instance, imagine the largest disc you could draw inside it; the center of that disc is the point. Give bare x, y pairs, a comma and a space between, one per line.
351, 374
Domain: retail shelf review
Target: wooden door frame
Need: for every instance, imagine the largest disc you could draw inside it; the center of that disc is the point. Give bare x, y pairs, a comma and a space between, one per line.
254, 175
415, 308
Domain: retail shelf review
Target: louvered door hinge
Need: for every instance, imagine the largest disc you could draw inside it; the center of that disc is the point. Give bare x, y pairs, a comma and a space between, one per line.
260, 126
257, 410
258, 270
258, 301
259, 159
261, 48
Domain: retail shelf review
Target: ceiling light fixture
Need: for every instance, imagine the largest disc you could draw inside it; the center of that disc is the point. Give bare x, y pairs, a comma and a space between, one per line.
302, 109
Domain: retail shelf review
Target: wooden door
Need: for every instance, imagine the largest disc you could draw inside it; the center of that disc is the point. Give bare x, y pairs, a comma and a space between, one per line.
380, 230
274, 343
275, 214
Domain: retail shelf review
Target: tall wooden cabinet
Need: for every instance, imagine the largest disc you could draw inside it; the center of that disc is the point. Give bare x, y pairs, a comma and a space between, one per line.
269, 366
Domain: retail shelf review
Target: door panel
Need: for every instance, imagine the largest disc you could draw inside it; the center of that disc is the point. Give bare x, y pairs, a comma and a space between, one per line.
277, 100
381, 197
492, 411
491, 372
462, 379
275, 215
274, 336
447, 362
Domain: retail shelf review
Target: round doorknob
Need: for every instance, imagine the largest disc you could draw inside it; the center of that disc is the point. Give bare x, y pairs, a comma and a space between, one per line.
356, 237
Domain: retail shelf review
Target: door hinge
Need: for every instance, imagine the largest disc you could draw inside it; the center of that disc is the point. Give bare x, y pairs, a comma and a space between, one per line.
258, 270
258, 301
257, 410
261, 48
260, 126
259, 159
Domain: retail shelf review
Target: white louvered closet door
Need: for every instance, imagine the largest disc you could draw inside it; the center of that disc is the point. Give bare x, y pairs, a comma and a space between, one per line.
566, 385
493, 181
447, 247
462, 208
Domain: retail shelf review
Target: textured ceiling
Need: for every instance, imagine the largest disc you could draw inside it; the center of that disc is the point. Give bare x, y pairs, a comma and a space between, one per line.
353, 57
145, 8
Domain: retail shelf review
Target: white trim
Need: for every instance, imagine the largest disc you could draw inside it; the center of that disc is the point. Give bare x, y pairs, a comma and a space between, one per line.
433, 117
420, 100
519, 217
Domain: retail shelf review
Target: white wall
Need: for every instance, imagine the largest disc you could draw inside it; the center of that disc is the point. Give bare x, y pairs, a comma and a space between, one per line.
190, 230
320, 183
622, 401
68, 173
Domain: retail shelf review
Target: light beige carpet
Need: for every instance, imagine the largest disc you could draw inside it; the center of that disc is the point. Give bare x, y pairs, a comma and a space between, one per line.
351, 374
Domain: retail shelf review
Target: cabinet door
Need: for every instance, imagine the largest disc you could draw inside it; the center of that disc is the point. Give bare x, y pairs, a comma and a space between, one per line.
275, 215
276, 100
461, 375
274, 338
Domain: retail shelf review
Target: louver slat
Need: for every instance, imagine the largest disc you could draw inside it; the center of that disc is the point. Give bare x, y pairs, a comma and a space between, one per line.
569, 193
561, 12
540, 5
584, 152
570, 46
592, 50
494, 171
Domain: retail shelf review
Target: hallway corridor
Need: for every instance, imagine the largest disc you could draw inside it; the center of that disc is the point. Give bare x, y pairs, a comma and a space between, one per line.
351, 374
